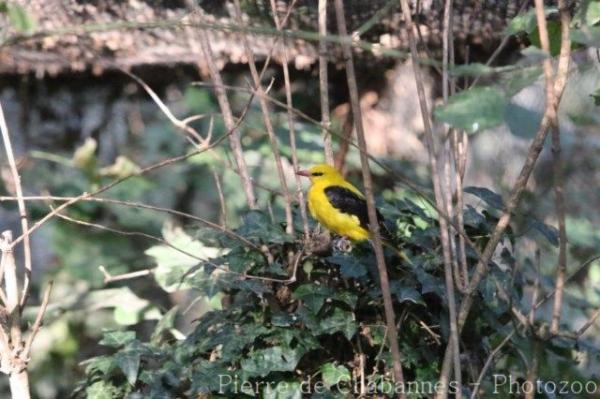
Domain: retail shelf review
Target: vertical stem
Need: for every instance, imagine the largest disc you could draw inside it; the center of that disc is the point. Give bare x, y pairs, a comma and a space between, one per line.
291, 127
21, 204
368, 184
323, 83
234, 137
453, 345
559, 190
267, 121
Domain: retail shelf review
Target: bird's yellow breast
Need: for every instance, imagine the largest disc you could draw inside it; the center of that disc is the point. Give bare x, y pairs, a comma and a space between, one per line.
333, 219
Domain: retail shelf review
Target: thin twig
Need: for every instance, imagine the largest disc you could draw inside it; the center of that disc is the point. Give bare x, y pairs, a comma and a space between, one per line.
38, 321
453, 345
324, 83
488, 363
234, 138
21, 205
183, 125
222, 202
588, 323
109, 278
368, 186
268, 125
291, 127
559, 183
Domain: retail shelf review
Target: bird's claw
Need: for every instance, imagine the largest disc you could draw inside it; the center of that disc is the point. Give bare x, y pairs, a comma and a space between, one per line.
342, 244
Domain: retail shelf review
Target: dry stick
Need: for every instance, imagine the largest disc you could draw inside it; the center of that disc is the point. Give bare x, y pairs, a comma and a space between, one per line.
453, 345
488, 363
18, 377
268, 125
37, 324
109, 278
21, 205
324, 83
234, 139
291, 127
140, 205
368, 186
559, 183
460, 160
534, 151
588, 323
222, 202
448, 88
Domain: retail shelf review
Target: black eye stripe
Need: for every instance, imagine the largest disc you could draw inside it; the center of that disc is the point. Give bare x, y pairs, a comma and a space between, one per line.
317, 174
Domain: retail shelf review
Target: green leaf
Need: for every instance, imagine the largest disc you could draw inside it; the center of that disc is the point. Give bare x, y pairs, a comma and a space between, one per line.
103, 390
20, 19
476, 69
351, 267
474, 110
172, 264
592, 15
339, 321
333, 375
263, 361
129, 363
589, 36
166, 323
258, 227
116, 339
549, 232
313, 295
488, 196
405, 293
554, 35
283, 390
525, 22
596, 97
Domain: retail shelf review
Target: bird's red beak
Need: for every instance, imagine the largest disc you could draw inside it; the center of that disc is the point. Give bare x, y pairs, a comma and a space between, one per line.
304, 173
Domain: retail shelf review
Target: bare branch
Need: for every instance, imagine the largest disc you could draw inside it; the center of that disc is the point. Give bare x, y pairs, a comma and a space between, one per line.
324, 83
38, 321
372, 211
109, 278
488, 363
291, 127
234, 138
267, 121
453, 345
559, 183
21, 204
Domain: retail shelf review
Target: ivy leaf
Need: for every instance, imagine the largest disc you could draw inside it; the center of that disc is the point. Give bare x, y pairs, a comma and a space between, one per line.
350, 266
339, 321
333, 375
263, 361
405, 293
129, 363
173, 264
258, 227
102, 390
474, 110
549, 232
117, 339
525, 22
590, 36
283, 390
554, 35
488, 196
313, 296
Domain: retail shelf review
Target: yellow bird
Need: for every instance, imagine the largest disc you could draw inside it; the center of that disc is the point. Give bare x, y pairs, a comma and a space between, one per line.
337, 204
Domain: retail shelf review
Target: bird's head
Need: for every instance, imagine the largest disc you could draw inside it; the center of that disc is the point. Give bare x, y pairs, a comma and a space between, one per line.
321, 172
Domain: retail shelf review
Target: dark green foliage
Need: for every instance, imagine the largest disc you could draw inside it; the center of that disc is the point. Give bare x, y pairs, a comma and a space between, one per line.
274, 336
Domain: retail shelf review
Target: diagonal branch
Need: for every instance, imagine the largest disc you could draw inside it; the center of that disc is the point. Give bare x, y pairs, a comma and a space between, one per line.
368, 185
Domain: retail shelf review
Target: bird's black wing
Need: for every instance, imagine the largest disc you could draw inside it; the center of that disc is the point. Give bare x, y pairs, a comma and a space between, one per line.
349, 202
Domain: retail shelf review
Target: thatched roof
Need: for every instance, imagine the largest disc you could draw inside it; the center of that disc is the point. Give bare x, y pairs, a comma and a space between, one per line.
74, 35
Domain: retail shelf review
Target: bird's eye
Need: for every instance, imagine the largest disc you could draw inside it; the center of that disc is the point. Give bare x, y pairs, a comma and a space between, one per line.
317, 174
